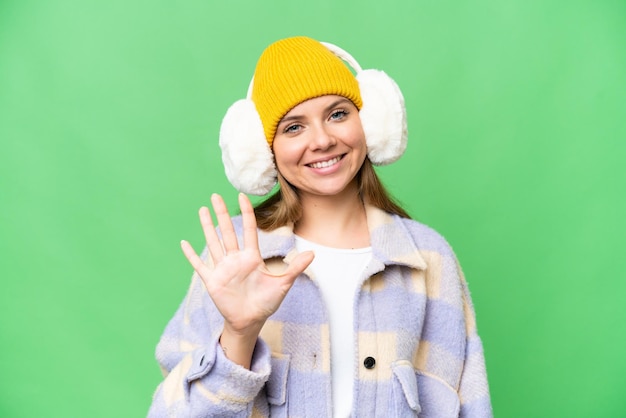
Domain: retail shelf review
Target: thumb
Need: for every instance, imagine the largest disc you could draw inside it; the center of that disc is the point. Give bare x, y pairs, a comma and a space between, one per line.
299, 263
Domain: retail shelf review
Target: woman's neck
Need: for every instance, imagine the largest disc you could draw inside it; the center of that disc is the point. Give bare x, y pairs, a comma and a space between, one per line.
335, 221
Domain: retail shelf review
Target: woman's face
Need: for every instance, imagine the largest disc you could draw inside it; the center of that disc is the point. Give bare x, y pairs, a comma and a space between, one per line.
319, 145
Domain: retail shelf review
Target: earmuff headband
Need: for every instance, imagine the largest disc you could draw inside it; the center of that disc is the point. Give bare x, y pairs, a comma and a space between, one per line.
247, 156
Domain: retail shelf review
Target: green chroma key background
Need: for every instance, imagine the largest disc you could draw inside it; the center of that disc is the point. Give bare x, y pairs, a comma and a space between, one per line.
109, 119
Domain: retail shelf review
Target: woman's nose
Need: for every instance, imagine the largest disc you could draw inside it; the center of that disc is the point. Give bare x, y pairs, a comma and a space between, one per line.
322, 138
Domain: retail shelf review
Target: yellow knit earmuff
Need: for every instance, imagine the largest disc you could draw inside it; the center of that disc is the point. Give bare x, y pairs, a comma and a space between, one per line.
290, 72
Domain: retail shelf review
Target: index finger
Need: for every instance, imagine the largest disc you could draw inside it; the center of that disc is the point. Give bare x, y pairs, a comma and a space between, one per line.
250, 238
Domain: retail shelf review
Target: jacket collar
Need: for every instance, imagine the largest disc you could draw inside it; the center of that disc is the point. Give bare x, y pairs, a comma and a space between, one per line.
391, 242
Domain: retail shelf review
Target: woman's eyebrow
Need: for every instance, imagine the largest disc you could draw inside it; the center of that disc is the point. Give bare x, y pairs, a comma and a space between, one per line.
336, 103
288, 118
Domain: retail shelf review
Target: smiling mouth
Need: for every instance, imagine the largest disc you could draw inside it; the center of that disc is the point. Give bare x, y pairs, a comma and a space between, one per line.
324, 164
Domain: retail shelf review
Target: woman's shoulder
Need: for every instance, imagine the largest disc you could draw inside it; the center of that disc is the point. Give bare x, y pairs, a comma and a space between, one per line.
425, 237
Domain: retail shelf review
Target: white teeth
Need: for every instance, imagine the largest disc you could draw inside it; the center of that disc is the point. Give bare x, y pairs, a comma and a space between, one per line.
328, 163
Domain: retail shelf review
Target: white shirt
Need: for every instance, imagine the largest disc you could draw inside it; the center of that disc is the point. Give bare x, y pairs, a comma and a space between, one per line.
337, 271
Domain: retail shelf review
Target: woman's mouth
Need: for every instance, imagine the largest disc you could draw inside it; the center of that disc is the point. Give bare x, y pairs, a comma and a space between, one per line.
327, 163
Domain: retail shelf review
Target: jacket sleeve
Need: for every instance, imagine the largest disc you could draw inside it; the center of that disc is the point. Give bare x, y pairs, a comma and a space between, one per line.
199, 380
473, 388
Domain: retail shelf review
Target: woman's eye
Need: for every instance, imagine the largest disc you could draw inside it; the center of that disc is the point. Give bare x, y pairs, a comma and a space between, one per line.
338, 114
292, 129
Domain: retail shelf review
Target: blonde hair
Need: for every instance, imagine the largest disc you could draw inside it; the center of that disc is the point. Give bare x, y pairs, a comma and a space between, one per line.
284, 206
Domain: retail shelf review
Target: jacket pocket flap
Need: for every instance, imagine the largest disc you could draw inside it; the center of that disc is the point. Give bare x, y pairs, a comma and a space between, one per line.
405, 375
276, 386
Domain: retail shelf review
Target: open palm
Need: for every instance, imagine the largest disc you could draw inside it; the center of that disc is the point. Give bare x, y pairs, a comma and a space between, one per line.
237, 280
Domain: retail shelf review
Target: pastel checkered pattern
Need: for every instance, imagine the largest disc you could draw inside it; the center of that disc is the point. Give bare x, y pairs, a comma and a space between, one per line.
413, 317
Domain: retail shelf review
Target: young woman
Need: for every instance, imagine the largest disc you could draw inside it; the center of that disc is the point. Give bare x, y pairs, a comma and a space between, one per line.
326, 299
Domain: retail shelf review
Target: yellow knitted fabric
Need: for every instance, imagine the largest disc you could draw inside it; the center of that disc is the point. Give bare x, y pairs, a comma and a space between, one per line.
293, 70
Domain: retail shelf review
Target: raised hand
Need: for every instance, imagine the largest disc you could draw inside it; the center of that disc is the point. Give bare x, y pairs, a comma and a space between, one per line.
237, 280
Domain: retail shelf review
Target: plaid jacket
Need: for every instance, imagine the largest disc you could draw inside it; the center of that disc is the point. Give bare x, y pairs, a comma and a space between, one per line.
417, 350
